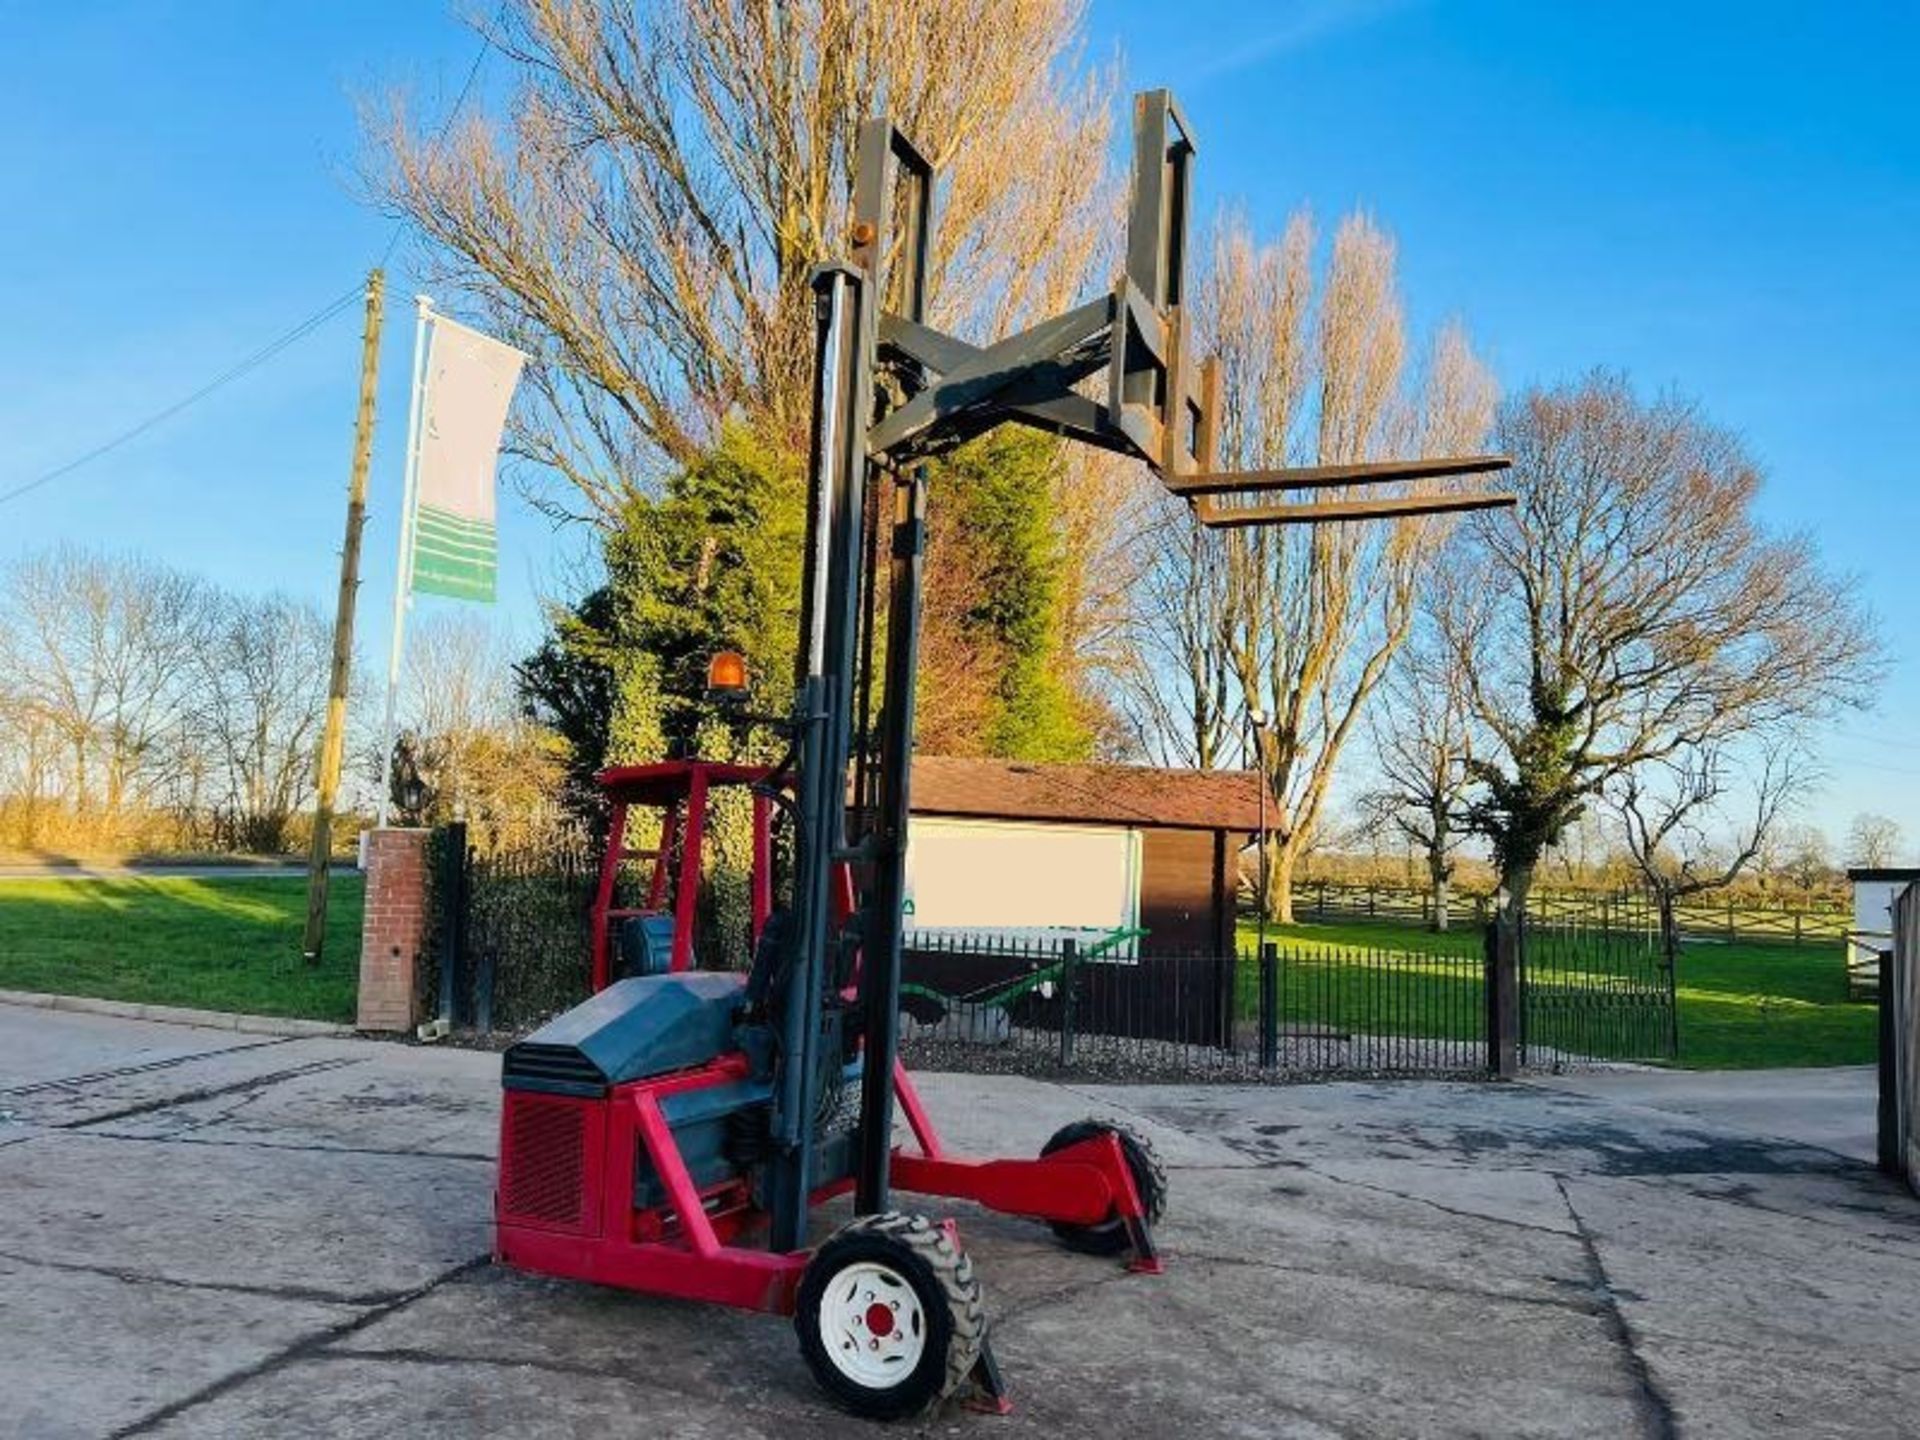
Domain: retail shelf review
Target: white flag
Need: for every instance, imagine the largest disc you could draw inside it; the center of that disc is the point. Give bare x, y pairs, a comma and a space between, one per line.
469, 385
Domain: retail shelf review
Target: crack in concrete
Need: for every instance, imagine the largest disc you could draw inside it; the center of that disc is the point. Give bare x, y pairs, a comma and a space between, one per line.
1038, 1303
1656, 1408
1111, 1104
232, 1287
652, 1381
211, 1092
70, 1082
443, 1359
464, 1156
1085, 1288
313, 1344
243, 1099
1251, 1167
1274, 1162
1466, 1292
1454, 1210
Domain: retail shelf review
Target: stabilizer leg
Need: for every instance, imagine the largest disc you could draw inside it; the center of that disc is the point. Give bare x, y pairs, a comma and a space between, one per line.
988, 1389
1133, 1212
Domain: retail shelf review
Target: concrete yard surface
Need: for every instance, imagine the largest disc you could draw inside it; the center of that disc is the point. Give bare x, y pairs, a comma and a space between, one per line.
1833, 1108
205, 1233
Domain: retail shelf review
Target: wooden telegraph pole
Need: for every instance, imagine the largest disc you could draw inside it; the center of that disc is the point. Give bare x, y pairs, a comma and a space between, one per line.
334, 739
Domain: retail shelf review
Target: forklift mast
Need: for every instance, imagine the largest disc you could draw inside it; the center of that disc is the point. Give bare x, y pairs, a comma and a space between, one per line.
835, 682
853, 768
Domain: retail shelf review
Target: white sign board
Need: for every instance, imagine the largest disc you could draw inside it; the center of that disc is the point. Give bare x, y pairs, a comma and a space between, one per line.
1008, 880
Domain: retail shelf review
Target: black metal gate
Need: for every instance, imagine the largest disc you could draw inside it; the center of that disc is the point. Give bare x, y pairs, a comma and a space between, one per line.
510, 931
509, 946
1286, 1012
1600, 987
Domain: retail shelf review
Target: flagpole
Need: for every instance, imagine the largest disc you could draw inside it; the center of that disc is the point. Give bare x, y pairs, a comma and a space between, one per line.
403, 572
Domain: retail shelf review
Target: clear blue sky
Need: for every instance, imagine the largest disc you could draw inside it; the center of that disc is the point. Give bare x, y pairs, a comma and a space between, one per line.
1719, 197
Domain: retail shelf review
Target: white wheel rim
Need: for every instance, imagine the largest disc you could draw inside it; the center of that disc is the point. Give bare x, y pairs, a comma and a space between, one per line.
855, 1301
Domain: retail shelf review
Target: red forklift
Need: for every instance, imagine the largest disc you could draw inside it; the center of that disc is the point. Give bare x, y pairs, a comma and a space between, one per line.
637, 1148
674, 1133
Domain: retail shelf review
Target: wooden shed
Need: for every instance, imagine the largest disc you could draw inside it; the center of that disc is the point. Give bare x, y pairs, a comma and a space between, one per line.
1008, 845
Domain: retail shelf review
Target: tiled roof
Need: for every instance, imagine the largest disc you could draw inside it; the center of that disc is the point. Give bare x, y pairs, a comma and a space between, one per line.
1133, 795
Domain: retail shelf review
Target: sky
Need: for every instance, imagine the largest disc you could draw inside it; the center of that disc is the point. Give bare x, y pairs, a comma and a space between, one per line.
1717, 198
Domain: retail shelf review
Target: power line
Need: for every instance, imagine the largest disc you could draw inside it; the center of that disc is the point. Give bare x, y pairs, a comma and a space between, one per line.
446, 125
1854, 762
274, 347
1878, 739
224, 378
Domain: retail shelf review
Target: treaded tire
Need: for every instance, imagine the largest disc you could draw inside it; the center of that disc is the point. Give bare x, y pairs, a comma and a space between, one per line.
1109, 1237
942, 1279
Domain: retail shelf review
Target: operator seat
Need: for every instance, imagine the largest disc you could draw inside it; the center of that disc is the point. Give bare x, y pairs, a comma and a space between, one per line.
645, 946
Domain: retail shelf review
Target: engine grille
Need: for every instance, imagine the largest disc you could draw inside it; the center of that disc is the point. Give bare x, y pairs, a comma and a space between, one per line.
544, 1161
551, 1066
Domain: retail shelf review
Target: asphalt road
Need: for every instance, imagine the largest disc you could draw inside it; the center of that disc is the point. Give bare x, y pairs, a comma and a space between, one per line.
211, 1234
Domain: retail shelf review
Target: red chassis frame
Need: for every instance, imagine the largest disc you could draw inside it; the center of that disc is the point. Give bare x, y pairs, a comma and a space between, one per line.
685, 1247
565, 1202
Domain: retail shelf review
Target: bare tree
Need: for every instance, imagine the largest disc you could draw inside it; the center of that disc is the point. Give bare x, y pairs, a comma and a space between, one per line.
644, 218
1632, 609
1422, 739
1806, 860
1178, 686
100, 649
260, 698
481, 758
1695, 819
1304, 621
1585, 853
1873, 841
29, 760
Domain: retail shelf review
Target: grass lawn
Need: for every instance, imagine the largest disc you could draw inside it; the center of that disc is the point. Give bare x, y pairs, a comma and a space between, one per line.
1370, 979
226, 944
1742, 1006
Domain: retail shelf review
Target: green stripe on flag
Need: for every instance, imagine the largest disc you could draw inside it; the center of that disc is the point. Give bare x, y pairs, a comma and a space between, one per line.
447, 520
454, 555
448, 542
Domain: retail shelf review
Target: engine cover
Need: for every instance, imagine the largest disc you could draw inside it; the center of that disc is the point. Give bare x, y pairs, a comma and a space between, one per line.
633, 1030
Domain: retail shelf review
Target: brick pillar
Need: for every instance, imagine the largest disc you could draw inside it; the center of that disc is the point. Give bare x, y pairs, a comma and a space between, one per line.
394, 929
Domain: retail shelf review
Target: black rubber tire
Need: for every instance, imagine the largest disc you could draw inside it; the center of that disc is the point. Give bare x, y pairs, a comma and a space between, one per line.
1109, 1237
949, 1293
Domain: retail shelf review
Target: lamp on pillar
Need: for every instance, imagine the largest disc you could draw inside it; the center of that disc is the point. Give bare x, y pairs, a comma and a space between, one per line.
410, 789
